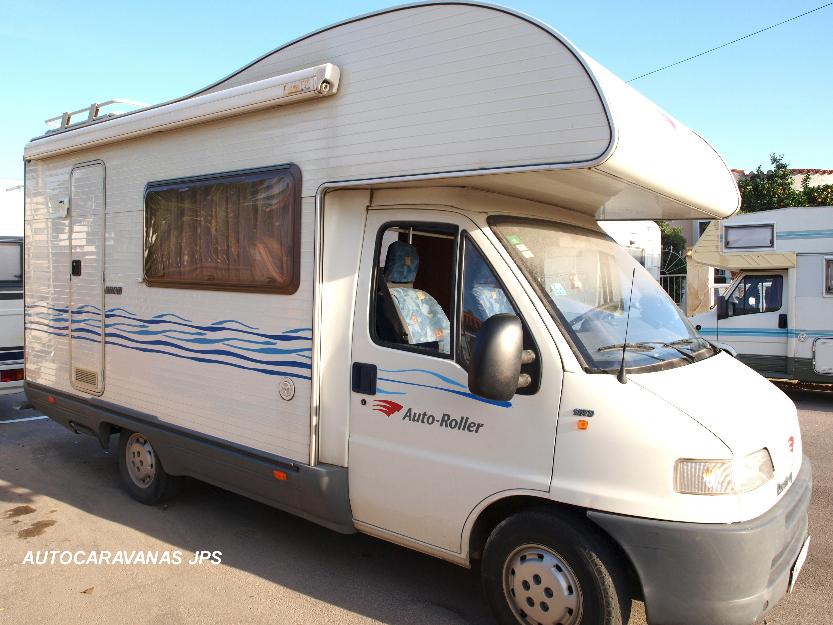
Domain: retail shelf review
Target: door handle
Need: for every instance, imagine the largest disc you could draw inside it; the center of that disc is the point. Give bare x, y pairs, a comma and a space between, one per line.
76, 268
364, 378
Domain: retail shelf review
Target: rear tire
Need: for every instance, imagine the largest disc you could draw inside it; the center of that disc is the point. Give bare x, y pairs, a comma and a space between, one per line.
542, 567
142, 472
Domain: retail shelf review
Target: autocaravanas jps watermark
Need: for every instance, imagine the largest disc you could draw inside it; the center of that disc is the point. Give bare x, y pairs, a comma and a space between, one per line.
122, 557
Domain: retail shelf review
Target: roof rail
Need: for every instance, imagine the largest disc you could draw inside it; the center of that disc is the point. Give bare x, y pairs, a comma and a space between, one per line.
93, 113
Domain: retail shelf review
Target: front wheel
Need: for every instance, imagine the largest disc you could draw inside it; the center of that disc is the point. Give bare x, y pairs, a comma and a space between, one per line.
541, 568
142, 472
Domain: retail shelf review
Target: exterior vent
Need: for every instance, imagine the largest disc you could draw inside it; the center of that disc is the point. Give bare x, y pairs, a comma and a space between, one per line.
85, 378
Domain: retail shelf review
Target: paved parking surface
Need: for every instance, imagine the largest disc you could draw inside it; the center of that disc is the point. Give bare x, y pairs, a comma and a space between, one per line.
59, 491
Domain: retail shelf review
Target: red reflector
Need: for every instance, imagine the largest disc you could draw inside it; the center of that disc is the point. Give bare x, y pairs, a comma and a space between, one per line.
51, 399
11, 375
279, 475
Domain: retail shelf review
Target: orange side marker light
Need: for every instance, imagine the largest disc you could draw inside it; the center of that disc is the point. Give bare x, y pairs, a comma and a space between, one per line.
583, 424
279, 475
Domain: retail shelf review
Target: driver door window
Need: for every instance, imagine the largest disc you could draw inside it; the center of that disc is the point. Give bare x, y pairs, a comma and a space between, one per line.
414, 286
756, 294
483, 297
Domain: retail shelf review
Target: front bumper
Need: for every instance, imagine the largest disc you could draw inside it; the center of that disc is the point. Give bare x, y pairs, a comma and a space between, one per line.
715, 574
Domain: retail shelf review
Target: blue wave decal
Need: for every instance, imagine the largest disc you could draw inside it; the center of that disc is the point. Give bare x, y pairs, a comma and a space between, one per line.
382, 391
172, 316
426, 371
502, 404
804, 234
226, 342
240, 323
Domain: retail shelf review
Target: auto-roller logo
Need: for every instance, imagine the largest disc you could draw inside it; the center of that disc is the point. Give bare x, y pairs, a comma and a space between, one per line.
461, 424
386, 407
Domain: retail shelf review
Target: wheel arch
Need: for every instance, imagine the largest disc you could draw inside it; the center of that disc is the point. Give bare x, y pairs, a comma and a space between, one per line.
494, 510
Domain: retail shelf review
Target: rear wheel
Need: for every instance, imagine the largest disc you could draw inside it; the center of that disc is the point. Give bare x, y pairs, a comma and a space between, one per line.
142, 471
540, 568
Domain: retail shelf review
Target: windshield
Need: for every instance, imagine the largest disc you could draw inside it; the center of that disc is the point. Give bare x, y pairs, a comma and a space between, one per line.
584, 279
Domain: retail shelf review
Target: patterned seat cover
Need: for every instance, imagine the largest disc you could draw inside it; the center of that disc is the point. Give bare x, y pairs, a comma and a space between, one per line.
424, 318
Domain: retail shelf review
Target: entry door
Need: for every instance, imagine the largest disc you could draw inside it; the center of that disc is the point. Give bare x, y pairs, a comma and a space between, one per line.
758, 322
86, 305
424, 452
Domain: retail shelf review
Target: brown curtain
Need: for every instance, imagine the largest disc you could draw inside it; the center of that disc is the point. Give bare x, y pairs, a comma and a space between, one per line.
238, 232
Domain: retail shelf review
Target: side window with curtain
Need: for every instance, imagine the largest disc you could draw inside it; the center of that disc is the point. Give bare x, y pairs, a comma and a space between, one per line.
482, 297
237, 231
757, 294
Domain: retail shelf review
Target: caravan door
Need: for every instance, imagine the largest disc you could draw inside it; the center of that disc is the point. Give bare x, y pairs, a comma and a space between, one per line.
86, 293
758, 322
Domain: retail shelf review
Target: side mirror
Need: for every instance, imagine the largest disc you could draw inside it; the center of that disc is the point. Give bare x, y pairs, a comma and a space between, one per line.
495, 365
722, 307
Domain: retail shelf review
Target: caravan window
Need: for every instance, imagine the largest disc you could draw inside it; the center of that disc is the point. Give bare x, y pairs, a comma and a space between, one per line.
236, 231
828, 276
11, 268
758, 236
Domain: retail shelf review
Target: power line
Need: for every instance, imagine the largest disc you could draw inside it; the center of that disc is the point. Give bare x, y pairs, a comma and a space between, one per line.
729, 43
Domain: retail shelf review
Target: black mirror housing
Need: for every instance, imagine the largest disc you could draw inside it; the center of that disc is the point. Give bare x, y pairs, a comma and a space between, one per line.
495, 365
722, 307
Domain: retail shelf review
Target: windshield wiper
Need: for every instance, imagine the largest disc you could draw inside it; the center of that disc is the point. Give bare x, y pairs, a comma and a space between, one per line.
689, 356
644, 347
649, 346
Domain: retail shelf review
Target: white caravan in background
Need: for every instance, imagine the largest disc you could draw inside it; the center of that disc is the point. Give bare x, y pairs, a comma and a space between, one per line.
778, 312
362, 280
642, 240
11, 286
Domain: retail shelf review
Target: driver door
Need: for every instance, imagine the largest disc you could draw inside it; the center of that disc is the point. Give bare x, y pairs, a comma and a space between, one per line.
424, 452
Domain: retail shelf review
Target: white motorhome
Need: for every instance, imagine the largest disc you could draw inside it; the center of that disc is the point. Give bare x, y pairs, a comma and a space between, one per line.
362, 280
11, 286
778, 312
642, 240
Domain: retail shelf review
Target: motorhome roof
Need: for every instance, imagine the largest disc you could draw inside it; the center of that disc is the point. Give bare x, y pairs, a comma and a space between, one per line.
534, 118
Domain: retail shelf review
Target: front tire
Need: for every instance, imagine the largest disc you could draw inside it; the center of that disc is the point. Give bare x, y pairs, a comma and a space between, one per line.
540, 567
142, 472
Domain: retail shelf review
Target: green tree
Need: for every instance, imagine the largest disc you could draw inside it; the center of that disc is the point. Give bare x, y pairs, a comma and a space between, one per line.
764, 190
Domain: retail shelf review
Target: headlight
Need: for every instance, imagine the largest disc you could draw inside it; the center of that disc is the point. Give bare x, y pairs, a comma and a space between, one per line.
723, 477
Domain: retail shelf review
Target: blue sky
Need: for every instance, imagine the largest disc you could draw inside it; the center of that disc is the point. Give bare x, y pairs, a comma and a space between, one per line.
769, 93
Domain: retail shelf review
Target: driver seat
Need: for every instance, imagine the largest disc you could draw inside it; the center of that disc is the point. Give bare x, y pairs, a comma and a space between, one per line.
422, 318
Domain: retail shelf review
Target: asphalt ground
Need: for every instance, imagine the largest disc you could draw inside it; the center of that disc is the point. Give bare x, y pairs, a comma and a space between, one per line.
60, 491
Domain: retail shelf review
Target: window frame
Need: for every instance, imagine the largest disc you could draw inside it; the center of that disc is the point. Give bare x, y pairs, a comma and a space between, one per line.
827, 267
740, 281
377, 248
727, 248
290, 169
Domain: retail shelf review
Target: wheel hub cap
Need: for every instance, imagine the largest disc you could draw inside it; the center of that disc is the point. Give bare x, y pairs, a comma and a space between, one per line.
141, 460
541, 588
